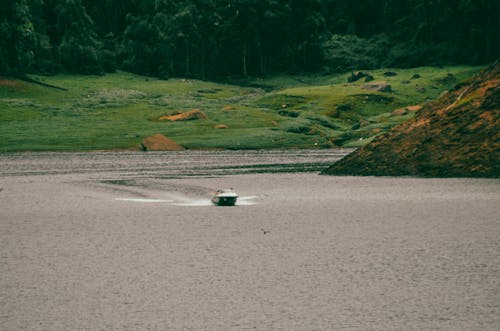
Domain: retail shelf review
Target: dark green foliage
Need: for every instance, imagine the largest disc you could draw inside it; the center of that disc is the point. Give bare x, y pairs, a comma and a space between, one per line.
349, 52
139, 52
288, 113
17, 41
77, 50
209, 38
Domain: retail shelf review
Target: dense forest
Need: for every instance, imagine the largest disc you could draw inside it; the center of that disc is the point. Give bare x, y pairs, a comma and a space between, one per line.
212, 38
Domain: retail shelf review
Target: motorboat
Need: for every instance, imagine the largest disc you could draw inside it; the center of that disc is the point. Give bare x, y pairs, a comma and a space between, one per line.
225, 197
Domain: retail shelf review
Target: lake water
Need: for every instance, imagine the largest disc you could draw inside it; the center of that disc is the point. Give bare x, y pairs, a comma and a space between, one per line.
130, 241
171, 164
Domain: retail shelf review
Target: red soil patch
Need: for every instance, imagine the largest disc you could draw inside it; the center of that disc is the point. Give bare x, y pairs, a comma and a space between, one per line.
159, 142
418, 123
8, 82
488, 116
406, 110
194, 114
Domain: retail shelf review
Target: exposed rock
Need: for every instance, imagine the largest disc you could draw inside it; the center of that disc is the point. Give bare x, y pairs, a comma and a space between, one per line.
457, 135
378, 86
334, 113
414, 108
344, 107
420, 88
159, 142
289, 113
448, 79
356, 76
194, 114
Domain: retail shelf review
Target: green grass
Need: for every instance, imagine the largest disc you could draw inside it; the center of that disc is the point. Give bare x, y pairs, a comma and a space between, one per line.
117, 111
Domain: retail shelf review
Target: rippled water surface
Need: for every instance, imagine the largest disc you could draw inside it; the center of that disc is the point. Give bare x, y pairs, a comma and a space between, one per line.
131, 241
171, 164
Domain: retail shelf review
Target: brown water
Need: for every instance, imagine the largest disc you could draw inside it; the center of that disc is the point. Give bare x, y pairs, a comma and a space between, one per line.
129, 241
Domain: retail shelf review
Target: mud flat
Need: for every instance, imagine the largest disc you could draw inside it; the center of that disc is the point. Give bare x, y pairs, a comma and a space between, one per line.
93, 246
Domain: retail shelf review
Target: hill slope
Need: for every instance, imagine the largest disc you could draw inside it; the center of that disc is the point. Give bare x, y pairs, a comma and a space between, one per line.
117, 111
457, 135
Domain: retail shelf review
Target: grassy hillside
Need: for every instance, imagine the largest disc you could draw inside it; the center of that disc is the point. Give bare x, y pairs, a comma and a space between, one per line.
457, 135
117, 111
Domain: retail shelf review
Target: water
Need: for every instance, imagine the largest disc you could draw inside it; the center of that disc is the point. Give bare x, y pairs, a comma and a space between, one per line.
130, 241
170, 164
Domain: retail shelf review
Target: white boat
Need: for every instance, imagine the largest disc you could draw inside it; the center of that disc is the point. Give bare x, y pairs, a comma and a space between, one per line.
225, 197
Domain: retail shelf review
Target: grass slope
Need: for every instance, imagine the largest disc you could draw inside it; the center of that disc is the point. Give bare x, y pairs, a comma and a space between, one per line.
117, 111
457, 135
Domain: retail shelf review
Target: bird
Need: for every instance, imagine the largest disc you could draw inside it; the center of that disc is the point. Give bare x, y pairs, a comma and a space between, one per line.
265, 231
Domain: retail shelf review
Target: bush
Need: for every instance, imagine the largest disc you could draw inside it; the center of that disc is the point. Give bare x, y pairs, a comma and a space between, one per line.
79, 59
107, 59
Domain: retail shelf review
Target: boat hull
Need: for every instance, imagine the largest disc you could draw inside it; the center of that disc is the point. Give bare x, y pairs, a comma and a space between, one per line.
224, 201
225, 197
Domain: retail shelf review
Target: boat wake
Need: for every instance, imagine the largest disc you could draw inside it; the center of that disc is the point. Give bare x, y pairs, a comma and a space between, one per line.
143, 200
246, 201
189, 202
194, 203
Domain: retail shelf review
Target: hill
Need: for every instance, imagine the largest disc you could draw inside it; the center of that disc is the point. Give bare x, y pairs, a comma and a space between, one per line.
117, 111
457, 135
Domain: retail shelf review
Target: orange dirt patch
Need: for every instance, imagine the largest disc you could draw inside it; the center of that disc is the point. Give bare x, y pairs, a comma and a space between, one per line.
194, 114
418, 123
159, 142
406, 110
8, 82
488, 116
400, 112
492, 83
414, 108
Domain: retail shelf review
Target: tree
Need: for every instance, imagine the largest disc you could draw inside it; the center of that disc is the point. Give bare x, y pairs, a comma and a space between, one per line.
209, 38
139, 51
18, 37
309, 25
78, 48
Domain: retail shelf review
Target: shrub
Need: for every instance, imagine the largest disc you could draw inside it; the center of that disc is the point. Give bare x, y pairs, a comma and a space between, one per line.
79, 59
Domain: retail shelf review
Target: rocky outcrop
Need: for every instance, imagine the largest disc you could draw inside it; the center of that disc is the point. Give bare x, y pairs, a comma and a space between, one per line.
194, 114
159, 142
378, 86
355, 76
457, 135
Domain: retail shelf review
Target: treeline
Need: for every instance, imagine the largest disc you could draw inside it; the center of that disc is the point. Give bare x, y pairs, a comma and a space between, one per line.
210, 38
